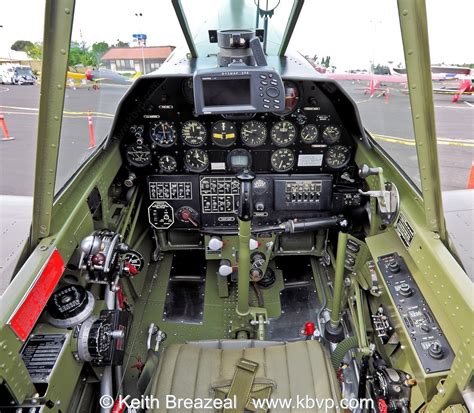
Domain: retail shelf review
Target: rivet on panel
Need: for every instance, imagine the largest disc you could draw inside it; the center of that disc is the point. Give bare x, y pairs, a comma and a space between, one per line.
67, 11
405, 12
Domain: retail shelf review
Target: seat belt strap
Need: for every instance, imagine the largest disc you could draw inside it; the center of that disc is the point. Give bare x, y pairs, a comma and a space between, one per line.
241, 385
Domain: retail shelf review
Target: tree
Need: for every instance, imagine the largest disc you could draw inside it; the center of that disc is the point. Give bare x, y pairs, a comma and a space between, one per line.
121, 44
326, 61
99, 48
21, 45
35, 51
79, 54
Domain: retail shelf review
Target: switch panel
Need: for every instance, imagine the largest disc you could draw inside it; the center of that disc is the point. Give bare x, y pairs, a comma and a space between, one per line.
429, 341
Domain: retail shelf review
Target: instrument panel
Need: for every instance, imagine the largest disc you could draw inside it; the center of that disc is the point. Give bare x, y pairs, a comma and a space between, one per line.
309, 137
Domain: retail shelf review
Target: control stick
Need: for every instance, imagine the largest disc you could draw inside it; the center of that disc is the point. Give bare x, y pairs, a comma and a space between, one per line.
245, 231
245, 205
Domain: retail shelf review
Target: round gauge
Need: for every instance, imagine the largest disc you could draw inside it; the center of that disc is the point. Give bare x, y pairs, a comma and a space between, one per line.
309, 134
167, 163
196, 160
282, 160
292, 97
283, 133
224, 133
134, 258
260, 185
163, 134
253, 133
238, 160
138, 155
337, 157
194, 133
331, 134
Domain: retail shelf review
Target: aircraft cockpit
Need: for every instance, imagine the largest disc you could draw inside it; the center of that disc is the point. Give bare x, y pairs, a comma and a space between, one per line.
239, 238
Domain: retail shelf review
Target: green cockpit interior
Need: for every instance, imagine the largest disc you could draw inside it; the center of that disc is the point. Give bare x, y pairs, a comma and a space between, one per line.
238, 236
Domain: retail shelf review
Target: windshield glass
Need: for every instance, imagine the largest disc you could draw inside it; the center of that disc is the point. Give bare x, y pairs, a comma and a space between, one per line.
23, 71
236, 14
357, 44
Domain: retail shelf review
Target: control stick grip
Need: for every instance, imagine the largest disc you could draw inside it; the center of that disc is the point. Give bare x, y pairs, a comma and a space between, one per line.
245, 203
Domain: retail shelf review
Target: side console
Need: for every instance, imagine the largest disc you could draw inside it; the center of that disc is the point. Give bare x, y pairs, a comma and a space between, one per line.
428, 339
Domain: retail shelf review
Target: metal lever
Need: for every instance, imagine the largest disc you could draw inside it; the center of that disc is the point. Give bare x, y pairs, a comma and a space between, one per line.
387, 196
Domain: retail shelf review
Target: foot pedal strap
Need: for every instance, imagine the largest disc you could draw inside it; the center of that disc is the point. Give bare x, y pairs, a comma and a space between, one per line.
241, 385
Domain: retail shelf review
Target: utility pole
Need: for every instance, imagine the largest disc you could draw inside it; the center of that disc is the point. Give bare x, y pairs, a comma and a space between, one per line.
140, 24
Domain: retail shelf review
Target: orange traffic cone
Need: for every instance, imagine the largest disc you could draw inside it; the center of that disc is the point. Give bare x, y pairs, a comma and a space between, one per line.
470, 182
91, 131
6, 134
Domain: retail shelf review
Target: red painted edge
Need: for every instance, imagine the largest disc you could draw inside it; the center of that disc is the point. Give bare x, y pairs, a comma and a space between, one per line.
26, 315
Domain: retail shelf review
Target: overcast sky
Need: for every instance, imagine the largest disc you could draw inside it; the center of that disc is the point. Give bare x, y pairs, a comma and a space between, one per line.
351, 32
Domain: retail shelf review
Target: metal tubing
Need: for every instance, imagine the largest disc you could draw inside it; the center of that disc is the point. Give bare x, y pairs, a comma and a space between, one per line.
106, 387
338, 280
243, 281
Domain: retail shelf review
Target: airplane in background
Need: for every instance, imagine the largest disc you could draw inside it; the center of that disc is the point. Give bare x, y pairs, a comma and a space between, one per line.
97, 76
398, 76
464, 75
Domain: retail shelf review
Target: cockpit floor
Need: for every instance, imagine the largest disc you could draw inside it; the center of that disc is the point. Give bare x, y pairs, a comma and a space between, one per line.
299, 299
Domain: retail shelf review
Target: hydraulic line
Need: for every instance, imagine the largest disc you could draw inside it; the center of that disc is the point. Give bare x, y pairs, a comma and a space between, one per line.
341, 350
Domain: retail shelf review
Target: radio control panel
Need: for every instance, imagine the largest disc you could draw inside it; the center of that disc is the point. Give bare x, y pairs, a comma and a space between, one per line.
427, 337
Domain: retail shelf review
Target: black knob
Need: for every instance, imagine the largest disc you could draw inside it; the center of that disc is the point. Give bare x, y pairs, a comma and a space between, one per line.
436, 351
393, 266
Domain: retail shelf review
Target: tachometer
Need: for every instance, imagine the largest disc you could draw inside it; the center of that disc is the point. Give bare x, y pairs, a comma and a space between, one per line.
337, 157
309, 134
282, 160
196, 160
163, 133
194, 133
138, 155
331, 134
253, 133
283, 133
167, 163
224, 133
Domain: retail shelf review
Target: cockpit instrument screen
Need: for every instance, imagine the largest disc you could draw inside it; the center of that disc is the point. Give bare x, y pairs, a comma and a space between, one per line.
226, 92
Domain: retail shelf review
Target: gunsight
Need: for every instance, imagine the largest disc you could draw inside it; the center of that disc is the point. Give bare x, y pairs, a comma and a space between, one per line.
238, 47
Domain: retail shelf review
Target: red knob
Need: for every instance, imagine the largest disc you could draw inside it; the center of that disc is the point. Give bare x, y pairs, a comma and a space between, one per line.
309, 328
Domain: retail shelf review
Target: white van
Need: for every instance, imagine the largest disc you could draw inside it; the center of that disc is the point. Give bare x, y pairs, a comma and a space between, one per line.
13, 74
